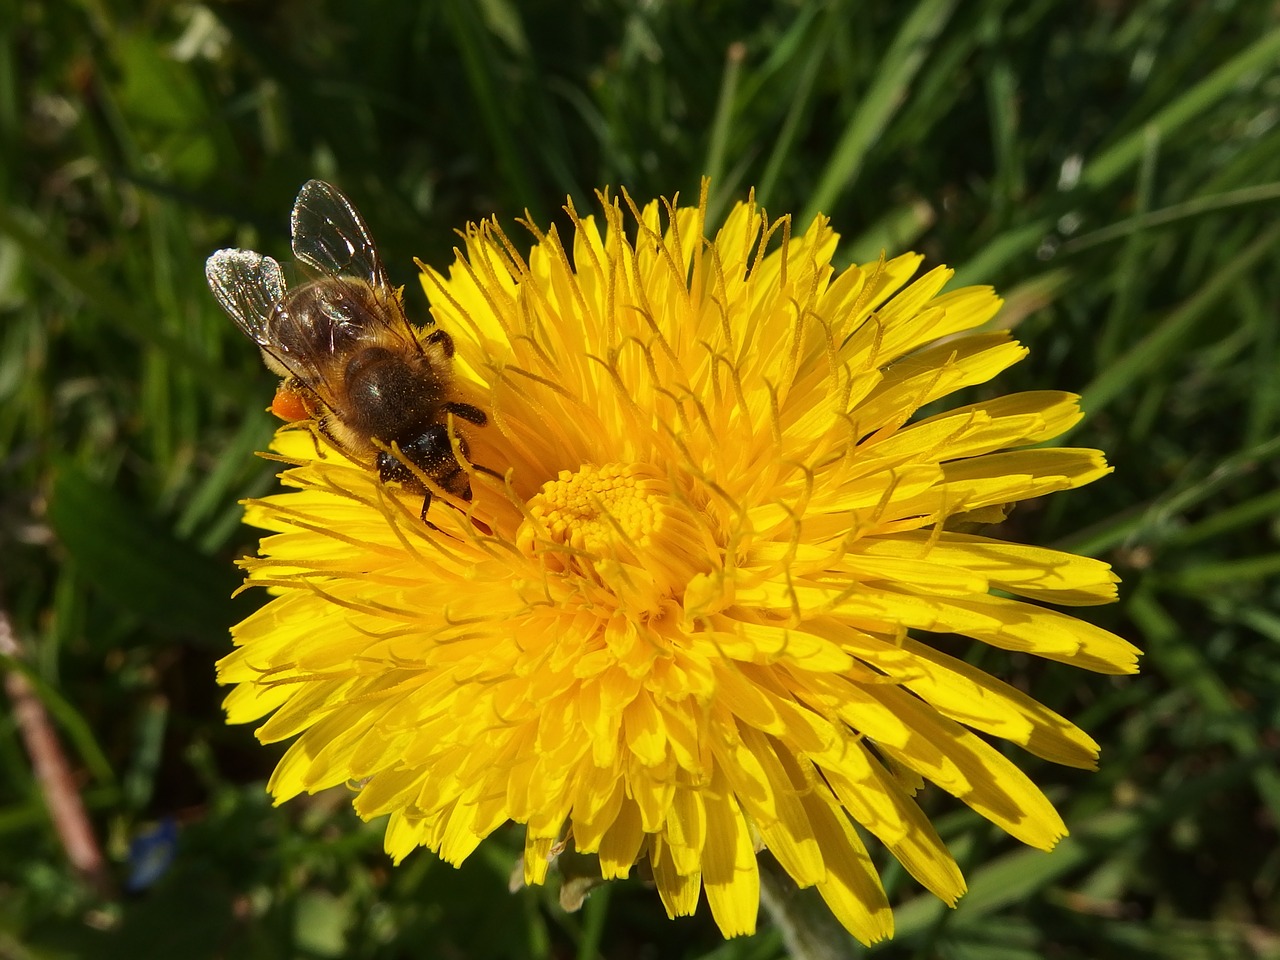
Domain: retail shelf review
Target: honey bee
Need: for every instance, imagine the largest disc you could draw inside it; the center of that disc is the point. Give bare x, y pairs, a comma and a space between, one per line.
349, 359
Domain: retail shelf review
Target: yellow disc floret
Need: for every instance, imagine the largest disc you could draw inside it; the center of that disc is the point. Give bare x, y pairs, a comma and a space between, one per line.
625, 527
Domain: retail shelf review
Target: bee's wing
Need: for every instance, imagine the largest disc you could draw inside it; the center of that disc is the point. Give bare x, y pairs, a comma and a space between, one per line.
329, 236
250, 287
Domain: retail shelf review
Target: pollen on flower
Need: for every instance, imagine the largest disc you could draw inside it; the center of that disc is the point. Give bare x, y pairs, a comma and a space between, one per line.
622, 526
692, 620
596, 508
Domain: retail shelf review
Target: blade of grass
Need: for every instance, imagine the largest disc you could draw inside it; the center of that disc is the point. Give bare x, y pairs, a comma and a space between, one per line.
902, 60
1188, 669
101, 298
1254, 59
1143, 523
1129, 275
1209, 578
1005, 248
1009, 182
1018, 874
811, 60
1257, 509
1155, 348
721, 123
139, 781
1243, 197
1030, 297
213, 491
139, 565
893, 233
1257, 309
478, 58
595, 914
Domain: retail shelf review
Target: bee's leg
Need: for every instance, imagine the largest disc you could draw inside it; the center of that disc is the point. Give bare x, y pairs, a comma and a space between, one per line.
466, 411
391, 469
438, 337
322, 430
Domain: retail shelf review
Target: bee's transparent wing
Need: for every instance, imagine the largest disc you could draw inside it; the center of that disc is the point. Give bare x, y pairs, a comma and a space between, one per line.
329, 236
249, 287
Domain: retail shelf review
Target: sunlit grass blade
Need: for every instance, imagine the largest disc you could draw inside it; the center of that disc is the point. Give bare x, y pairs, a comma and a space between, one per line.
1175, 654
902, 59
1156, 347
1262, 54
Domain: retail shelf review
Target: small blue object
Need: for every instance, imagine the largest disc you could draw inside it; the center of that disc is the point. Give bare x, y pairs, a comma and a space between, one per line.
151, 853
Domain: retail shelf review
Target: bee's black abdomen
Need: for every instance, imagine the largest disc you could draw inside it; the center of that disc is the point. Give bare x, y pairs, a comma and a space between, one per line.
432, 453
390, 398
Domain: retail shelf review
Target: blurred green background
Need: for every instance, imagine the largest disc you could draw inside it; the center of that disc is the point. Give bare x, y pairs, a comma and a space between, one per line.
1114, 168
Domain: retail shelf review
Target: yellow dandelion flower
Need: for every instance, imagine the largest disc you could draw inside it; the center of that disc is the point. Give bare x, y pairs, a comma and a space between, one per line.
690, 622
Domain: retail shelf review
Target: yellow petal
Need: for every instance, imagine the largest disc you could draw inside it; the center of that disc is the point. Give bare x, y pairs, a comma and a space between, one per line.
851, 887
679, 892
1049, 575
621, 843
730, 874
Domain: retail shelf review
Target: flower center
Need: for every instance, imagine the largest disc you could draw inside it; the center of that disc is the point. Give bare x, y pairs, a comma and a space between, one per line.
621, 525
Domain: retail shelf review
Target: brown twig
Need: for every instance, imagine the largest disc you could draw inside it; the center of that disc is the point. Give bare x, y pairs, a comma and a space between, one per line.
49, 762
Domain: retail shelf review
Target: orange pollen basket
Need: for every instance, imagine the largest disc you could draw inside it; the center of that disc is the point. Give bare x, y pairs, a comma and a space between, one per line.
288, 404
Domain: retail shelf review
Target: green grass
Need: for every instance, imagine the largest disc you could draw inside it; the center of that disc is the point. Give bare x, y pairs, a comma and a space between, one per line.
1113, 168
